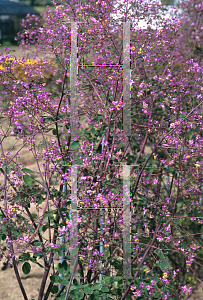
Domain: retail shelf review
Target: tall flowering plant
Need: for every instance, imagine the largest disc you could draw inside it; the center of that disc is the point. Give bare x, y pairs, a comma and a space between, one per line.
164, 151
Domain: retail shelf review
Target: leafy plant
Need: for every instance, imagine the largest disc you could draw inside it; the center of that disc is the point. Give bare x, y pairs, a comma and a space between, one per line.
80, 192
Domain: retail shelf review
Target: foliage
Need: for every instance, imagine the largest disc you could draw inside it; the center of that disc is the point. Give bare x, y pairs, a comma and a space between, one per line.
164, 149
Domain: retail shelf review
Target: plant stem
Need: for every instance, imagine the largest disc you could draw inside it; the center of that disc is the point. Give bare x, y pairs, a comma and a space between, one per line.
18, 278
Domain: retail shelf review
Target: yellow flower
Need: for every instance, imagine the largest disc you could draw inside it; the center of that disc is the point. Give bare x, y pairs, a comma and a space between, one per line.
197, 165
146, 269
188, 156
139, 95
12, 209
140, 51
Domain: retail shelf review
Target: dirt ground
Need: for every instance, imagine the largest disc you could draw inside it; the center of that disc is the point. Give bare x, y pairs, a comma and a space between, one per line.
9, 288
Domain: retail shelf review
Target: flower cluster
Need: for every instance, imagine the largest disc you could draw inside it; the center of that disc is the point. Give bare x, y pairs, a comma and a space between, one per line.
96, 187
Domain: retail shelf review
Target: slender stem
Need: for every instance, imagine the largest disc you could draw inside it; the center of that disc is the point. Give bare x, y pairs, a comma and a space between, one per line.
62, 238
51, 260
44, 279
49, 288
5, 178
46, 266
18, 278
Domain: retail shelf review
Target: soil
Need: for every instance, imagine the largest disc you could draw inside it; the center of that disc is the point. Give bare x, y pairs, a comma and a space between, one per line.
9, 288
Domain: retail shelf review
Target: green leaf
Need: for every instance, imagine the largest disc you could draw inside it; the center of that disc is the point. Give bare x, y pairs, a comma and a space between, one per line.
3, 237
25, 256
54, 132
54, 289
105, 289
27, 170
163, 265
64, 281
74, 145
87, 290
26, 268
76, 295
163, 262
54, 278
63, 268
76, 283
58, 279
94, 297
47, 119
59, 251
35, 243
41, 199
79, 295
119, 124
27, 180
73, 293
107, 279
97, 286
36, 262
117, 278
107, 253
